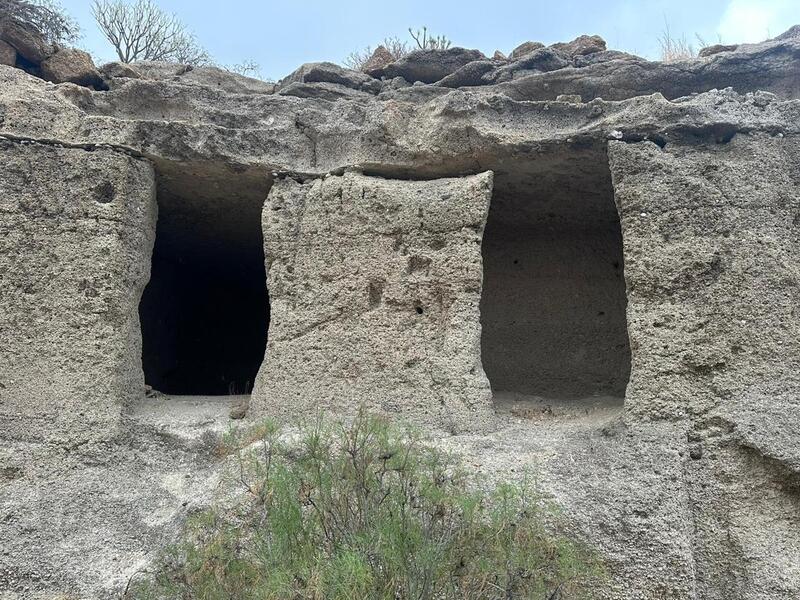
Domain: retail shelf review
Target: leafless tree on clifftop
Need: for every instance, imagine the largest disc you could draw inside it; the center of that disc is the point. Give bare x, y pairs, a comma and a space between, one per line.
142, 31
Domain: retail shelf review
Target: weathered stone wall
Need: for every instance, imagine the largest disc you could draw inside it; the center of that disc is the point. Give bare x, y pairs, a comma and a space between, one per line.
711, 263
689, 491
374, 290
713, 269
76, 233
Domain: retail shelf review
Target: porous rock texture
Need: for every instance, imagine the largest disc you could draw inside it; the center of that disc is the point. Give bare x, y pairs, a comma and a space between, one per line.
621, 265
77, 234
374, 293
8, 55
70, 65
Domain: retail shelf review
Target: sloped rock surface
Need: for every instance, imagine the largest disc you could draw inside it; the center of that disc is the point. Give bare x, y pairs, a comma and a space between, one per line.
379, 59
541, 60
326, 72
322, 90
8, 56
523, 49
211, 77
716, 49
429, 66
114, 70
580, 46
28, 43
470, 74
70, 65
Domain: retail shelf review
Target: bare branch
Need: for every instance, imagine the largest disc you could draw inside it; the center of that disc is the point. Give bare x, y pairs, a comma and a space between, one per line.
248, 68
140, 30
45, 16
393, 45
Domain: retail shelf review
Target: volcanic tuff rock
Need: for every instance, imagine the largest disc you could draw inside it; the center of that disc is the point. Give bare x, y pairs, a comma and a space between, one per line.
584, 264
524, 48
379, 59
429, 66
8, 56
28, 43
69, 65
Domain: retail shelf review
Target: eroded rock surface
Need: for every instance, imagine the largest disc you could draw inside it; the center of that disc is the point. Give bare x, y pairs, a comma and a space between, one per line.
77, 233
634, 221
374, 291
69, 65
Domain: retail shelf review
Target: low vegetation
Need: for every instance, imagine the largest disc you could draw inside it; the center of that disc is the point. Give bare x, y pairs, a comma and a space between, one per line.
368, 511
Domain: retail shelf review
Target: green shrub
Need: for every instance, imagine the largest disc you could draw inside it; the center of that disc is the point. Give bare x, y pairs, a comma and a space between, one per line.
367, 511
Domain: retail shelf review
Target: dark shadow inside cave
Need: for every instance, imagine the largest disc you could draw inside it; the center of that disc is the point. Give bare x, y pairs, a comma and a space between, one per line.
553, 305
205, 312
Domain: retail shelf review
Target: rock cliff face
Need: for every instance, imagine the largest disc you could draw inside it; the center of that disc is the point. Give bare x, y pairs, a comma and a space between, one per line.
607, 248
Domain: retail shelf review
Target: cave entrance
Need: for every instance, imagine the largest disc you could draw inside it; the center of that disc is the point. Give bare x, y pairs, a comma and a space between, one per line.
553, 305
205, 312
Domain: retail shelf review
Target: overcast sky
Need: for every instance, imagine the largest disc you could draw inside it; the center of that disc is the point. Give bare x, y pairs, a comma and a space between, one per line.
281, 35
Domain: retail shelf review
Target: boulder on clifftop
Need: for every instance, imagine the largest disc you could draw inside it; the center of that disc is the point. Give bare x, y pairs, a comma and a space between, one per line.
429, 66
28, 42
379, 59
326, 72
580, 46
523, 49
70, 65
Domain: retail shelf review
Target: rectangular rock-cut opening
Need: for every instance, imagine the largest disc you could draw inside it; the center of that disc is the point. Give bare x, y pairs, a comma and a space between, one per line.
205, 312
553, 305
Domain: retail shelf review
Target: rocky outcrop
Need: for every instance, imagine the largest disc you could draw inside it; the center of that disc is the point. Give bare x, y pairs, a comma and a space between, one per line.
577, 226
377, 61
619, 77
8, 55
69, 65
429, 66
28, 42
326, 72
